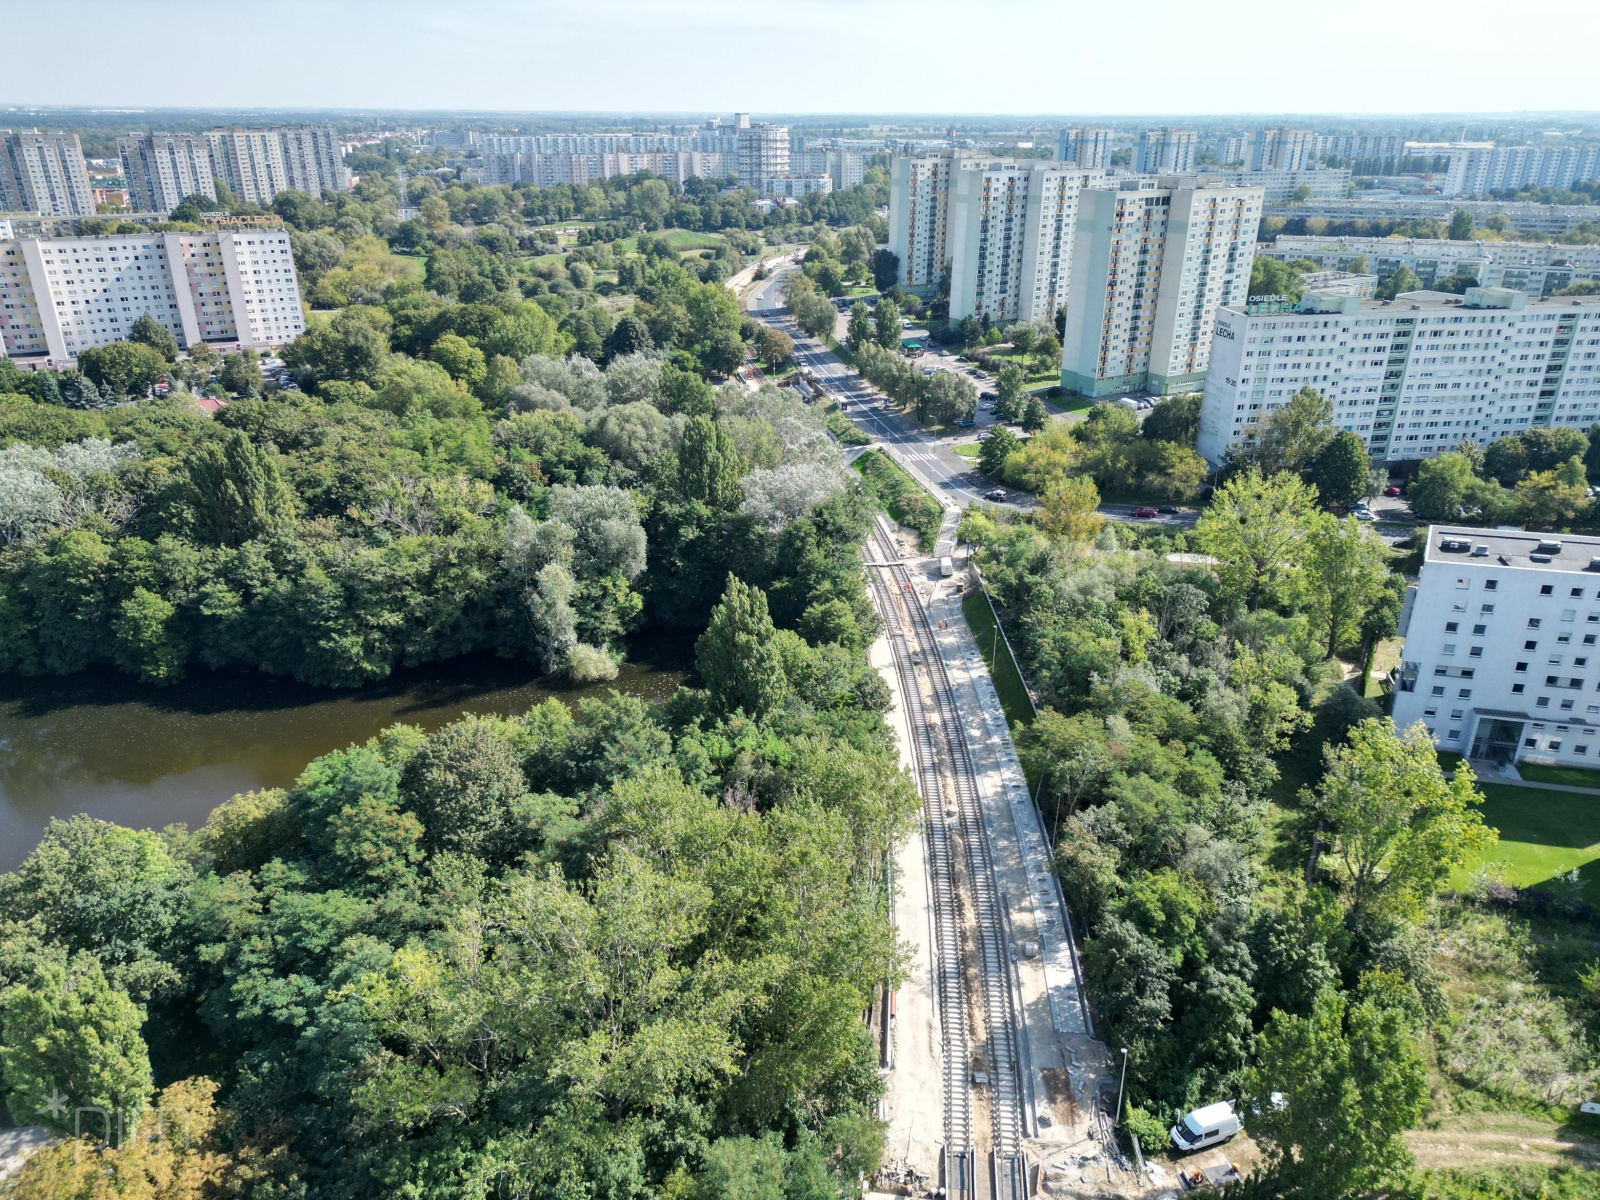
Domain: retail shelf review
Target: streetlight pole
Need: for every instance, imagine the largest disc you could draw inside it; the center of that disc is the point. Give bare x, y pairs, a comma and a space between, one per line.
1122, 1084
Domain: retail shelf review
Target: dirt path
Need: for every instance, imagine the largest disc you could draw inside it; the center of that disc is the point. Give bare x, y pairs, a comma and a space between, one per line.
1501, 1139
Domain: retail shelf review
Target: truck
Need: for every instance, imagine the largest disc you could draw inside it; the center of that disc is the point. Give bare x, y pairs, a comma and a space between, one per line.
947, 566
1205, 1127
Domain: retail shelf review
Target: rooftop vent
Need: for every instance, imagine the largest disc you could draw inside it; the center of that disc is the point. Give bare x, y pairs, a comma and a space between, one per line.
1455, 545
1549, 545
1539, 558
1594, 564
1480, 551
1503, 560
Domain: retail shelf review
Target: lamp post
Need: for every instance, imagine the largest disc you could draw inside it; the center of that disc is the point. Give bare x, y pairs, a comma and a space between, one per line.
1122, 1083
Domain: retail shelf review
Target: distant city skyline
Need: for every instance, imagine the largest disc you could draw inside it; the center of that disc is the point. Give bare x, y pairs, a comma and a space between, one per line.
805, 56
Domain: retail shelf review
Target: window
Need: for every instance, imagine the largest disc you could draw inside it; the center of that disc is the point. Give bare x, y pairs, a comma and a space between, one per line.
1454, 735
1576, 592
1451, 626
1448, 648
1542, 702
1487, 609
1530, 645
1531, 743
1522, 666
1430, 712
1490, 585
1438, 690
1569, 614
1475, 652
1533, 622
1465, 693
1479, 630
1580, 749
1547, 589
1566, 706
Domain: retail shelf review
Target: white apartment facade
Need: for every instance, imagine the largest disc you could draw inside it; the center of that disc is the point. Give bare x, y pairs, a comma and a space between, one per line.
1010, 236
1279, 187
313, 159
919, 205
44, 173
1166, 151
1501, 658
1477, 168
1282, 148
1538, 268
1522, 215
1412, 377
59, 296
846, 168
1153, 262
1086, 147
795, 187
163, 169
257, 164
762, 152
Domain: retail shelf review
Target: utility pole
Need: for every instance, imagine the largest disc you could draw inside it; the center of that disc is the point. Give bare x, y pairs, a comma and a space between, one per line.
1122, 1084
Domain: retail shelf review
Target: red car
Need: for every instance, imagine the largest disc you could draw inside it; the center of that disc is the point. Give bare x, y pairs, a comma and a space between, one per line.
1391, 490
1144, 512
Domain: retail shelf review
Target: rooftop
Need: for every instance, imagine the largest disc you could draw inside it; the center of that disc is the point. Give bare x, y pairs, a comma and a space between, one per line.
1477, 299
1515, 548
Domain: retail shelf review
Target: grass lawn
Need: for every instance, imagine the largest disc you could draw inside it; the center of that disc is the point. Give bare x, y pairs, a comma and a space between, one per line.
678, 239
1543, 835
1049, 375
1449, 760
901, 496
968, 449
1571, 776
1072, 404
1007, 677
1385, 660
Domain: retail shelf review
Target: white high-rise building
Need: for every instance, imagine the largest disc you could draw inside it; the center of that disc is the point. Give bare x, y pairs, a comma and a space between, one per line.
164, 169
1412, 377
44, 173
313, 159
763, 152
1282, 148
1166, 151
231, 288
919, 208
1538, 268
1010, 235
250, 162
1087, 147
1478, 168
1233, 151
1153, 262
1501, 658
846, 168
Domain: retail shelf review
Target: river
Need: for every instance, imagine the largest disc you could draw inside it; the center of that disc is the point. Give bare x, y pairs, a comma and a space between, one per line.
104, 744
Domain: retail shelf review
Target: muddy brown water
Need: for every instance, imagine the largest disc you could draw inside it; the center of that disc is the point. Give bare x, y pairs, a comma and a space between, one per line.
103, 744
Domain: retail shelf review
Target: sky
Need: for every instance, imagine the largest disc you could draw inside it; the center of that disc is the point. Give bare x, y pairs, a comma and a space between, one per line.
807, 56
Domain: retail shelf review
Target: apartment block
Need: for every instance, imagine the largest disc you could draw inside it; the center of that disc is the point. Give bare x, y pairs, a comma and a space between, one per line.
1282, 149
762, 152
1412, 377
1501, 659
1153, 262
1538, 268
163, 169
846, 168
919, 206
1010, 236
313, 159
257, 164
1523, 216
1286, 186
793, 187
1086, 147
230, 288
1477, 168
44, 173
1166, 151
1233, 151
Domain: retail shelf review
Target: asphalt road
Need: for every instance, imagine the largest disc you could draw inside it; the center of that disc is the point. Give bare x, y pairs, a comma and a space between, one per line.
954, 480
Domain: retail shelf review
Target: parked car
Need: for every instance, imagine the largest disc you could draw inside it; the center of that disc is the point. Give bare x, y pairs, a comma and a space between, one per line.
1170, 510
995, 494
1144, 512
966, 423
988, 396
1205, 1127
1392, 490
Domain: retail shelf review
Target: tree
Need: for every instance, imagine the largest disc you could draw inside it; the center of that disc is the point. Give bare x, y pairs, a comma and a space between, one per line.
1291, 436
234, 491
147, 331
122, 368
737, 656
885, 269
1352, 1081
1174, 419
998, 445
948, 398
1255, 525
684, 392
1068, 507
466, 787
1460, 226
860, 330
629, 335
350, 347
241, 373
1551, 499
709, 465
1401, 279
1506, 460
775, 348
886, 324
1397, 827
1441, 487
1047, 353
1023, 338
1035, 416
1341, 470
1011, 398
464, 361
71, 1040
1345, 573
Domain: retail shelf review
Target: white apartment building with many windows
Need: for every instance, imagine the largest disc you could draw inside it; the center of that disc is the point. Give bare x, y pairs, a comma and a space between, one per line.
230, 288
1086, 147
44, 173
1412, 377
919, 209
1501, 658
163, 169
1010, 236
1538, 268
1153, 261
1166, 151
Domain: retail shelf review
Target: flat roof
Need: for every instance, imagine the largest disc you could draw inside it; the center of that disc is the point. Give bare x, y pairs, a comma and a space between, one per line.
1437, 302
1515, 548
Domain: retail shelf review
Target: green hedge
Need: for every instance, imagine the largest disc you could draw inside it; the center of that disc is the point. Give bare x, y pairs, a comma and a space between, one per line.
901, 496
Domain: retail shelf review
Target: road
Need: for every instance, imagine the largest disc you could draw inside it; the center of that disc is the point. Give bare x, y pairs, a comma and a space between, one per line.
953, 480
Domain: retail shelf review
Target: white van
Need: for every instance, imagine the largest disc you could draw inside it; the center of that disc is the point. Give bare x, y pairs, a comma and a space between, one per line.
947, 566
1208, 1126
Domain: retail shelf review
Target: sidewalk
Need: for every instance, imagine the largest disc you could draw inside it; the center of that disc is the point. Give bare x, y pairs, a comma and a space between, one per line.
1064, 1062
